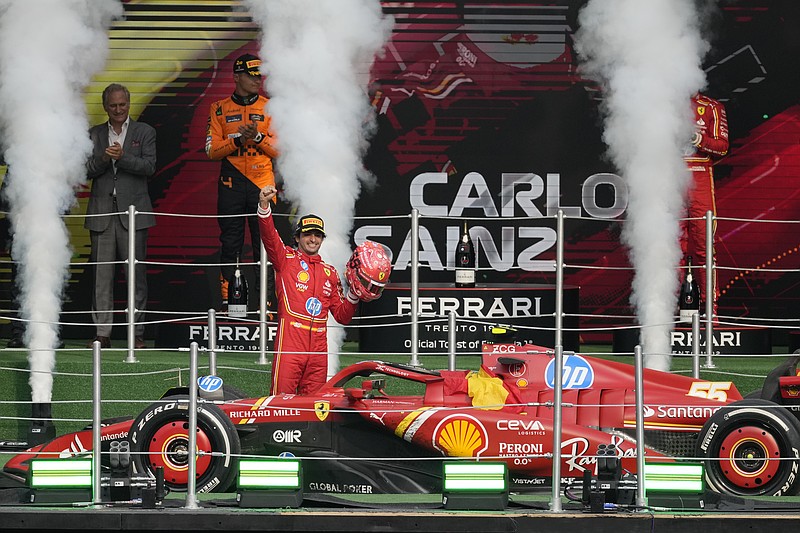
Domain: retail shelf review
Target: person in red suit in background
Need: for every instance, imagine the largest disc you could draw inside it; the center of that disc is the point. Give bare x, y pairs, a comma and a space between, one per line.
709, 143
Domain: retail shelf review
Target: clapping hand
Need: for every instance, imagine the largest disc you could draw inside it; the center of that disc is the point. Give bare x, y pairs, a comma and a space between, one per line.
114, 151
249, 132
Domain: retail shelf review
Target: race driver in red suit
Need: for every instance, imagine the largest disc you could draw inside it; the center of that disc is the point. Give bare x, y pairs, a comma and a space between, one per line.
307, 290
710, 141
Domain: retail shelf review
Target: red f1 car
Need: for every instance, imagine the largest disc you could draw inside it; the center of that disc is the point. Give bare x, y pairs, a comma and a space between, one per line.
357, 437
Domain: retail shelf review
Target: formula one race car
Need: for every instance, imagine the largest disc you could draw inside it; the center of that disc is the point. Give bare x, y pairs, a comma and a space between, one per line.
357, 437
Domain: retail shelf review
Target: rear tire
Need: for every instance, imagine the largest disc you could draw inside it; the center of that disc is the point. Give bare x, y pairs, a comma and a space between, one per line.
232, 393
159, 437
753, 395
738, 443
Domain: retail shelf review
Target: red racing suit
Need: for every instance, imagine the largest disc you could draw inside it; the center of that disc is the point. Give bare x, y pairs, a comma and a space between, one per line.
712, 141
307, 290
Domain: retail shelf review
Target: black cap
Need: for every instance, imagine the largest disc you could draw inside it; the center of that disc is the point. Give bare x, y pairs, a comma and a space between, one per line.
310, 222
247, 63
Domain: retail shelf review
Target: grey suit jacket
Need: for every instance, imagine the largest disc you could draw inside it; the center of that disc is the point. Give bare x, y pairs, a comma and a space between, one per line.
136, 165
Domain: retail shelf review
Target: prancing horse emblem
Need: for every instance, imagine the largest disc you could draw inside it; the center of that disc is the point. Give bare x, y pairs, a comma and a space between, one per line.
322, 408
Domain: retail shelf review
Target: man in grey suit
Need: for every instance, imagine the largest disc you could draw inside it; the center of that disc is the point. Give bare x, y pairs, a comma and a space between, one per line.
123, 158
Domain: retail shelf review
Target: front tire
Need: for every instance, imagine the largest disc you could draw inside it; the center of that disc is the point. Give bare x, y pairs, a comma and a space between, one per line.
752, 448
159, 437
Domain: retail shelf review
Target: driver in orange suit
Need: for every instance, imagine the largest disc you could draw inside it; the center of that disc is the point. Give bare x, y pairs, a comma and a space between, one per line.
239, 134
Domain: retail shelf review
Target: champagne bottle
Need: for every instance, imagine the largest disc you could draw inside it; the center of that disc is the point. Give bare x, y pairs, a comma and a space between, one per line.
689, 297
465, 260
237, 294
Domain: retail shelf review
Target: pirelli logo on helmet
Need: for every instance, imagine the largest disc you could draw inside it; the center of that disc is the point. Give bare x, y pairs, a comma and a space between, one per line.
247, 63
312, 222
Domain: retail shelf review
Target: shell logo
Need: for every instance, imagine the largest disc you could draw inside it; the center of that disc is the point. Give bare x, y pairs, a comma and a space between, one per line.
460, 436
303, 276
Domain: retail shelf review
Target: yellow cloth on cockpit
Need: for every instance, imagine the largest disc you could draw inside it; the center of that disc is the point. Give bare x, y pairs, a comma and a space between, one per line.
487, 392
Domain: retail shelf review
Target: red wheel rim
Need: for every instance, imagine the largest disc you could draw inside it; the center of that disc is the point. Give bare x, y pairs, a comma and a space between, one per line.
169, 447
745, 457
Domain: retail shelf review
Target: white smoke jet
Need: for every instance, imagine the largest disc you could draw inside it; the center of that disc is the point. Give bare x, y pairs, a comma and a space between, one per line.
318, 54
49, 50
647, 56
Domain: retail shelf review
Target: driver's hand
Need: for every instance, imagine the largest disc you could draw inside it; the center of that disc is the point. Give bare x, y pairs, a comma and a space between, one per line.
266, 195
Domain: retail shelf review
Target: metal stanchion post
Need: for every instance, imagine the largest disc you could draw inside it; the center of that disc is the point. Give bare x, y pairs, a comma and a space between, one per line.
414, 288
696, 345
559, 311
709, 290
96, 424
451, 341
263, 273
641, 500
131, 358
558, 372
212, 342
191, 482
558, 369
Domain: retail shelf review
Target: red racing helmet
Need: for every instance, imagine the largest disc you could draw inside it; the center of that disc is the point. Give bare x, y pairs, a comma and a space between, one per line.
368, 270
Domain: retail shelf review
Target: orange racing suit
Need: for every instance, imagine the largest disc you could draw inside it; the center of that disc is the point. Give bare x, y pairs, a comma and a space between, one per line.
711, 124
246, 168
252, 159
307, 290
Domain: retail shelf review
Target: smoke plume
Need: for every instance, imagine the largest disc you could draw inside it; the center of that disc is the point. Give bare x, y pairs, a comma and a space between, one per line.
647, 57
318, 55
49, 50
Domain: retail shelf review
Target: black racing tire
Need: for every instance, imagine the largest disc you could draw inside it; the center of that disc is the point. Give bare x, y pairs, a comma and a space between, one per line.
228, 393
753, 395
159, 437
232, 393
737, 443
